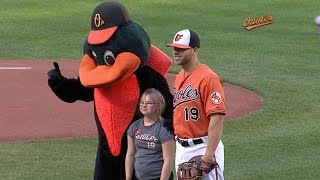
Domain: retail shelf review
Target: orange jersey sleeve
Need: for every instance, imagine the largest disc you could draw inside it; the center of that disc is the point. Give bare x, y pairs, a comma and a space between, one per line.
213, 96
196, 97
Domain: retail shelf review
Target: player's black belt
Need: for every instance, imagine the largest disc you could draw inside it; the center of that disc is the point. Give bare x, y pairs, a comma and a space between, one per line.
185, 143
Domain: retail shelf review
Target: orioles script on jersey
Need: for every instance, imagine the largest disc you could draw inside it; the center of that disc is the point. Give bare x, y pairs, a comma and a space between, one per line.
185, 95
147, 137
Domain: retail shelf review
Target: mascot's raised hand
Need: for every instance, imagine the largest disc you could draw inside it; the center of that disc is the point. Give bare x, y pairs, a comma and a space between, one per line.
55, 75
68, 90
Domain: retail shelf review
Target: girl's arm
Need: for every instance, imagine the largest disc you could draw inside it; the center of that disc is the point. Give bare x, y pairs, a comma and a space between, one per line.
168, 158
130, 158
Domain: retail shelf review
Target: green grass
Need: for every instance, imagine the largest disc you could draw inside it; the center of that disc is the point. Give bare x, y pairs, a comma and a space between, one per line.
55, 159
280, 61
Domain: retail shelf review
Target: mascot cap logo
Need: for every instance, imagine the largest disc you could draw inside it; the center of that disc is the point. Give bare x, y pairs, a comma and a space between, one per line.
185, 39
105, 20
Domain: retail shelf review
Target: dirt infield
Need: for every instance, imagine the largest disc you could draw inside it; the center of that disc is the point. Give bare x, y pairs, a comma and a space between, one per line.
29, 109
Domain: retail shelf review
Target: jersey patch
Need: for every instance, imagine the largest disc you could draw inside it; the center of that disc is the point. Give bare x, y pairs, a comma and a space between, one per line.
216, 97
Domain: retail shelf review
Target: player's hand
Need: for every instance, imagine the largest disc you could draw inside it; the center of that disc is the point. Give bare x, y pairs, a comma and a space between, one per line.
207, 159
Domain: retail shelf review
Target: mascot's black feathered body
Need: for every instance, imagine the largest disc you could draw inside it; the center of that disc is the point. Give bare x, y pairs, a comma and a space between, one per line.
118, 65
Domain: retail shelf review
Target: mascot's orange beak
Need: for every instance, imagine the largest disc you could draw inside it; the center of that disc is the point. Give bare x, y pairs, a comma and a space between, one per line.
94, 76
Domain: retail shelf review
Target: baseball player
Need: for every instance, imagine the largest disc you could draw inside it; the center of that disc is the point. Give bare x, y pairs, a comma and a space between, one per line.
199, 107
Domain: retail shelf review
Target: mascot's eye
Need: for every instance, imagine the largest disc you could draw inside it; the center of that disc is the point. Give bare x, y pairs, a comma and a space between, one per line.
95, 57
108, 57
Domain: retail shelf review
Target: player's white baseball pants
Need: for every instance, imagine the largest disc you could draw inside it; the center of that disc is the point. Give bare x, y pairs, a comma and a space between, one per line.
184, 153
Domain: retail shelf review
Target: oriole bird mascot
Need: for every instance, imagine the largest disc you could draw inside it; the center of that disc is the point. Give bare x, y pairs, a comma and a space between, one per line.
118, 64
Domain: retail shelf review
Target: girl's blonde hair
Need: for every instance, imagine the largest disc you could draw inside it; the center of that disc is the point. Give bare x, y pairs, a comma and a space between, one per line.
157, 97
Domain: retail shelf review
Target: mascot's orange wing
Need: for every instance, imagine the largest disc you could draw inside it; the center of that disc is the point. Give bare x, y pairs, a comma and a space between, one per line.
159, 61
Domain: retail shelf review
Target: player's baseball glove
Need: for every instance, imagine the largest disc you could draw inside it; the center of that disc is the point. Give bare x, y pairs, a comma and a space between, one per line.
194, 168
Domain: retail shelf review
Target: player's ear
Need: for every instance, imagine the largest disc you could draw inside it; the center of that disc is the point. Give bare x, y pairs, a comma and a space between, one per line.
195, 50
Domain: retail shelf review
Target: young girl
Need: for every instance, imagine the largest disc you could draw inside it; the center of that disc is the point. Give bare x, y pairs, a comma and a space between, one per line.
150, 151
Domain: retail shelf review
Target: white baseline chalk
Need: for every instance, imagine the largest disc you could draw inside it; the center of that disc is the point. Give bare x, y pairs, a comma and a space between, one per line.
14, 68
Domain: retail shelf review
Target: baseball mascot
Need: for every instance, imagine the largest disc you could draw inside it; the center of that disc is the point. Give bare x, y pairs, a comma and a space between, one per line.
118, 64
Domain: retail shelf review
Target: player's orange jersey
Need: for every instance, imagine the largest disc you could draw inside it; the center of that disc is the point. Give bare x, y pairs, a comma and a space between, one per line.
196, 97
